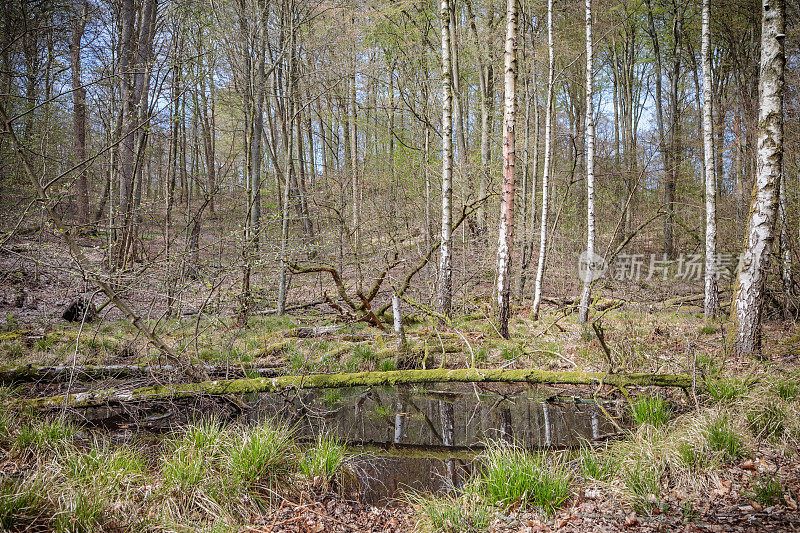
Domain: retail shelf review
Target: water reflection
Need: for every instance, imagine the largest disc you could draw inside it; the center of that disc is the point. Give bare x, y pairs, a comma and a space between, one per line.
421, 439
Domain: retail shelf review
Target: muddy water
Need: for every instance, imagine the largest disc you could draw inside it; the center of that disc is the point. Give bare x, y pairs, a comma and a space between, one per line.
426, 439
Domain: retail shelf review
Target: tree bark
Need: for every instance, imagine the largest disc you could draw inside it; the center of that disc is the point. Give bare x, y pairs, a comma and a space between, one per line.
506, 233
583, 311
445, 296
548, 133
78, 25
711, 302
753, 273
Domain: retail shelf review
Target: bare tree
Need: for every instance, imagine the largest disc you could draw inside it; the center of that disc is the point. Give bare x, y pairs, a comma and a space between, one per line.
548, 134
753, 272
506, 238
78, 26
583, 313
711, 302
446, 261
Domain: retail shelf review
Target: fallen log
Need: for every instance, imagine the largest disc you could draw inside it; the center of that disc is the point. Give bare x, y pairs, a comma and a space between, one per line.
34, 373
358, 379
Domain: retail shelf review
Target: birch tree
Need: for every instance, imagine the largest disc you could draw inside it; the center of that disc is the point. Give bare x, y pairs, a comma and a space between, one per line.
583, 313
548, 133
506, 233
769, 163
446, 261
711, 304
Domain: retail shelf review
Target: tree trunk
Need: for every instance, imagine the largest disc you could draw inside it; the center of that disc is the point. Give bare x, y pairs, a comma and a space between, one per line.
506, 234
359, 379
711, 302
445, 296
78, 25
583, 312
753, 273
548, 133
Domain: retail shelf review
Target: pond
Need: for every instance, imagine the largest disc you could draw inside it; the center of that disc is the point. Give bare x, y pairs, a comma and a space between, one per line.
405, 438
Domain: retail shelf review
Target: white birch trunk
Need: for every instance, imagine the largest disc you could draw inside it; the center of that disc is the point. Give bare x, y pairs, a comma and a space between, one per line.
583, 313
711, 304
548, 130
506, 233
446, 262
786, 255
753, 271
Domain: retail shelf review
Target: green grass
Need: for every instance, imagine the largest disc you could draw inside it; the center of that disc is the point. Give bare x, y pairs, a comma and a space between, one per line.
767, 421
450, 513
324, 464
44, 435
788, 391
766, 490
262, 458
595, 465
20, 502
643, 483
708, 329
512, 476
693, 458
724, 441
722, 389
387, 365
651, 410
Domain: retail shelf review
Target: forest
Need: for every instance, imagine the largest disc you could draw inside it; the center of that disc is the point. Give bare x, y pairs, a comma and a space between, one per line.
403, 265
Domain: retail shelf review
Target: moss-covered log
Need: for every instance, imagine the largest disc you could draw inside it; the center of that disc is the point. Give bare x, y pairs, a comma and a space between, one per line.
358, 379
34, 373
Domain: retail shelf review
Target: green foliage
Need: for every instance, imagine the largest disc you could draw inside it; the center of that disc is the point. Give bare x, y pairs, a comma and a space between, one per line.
693, 458
766, 490
767, 421
642, 481
364, 353
387, 365
651, 410
260, 458
82, 512
595, 465
44, 435
324, 464
725, 389
788, 391
451, 513
708, 329
20, 502
723, 440
513, 476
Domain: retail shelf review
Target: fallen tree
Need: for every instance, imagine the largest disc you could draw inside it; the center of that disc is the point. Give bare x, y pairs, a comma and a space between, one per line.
34, 373
359, 379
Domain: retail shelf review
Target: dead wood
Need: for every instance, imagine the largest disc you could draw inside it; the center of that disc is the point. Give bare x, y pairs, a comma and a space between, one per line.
359, 379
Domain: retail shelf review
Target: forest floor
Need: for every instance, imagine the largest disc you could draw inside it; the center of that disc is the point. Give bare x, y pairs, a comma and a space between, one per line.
721, 458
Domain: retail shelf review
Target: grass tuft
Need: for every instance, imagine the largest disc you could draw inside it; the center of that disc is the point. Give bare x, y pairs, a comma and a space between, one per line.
324, 464
724, 441
651, 410
766, 490
262, 458
595, 465
513, 476
450, 513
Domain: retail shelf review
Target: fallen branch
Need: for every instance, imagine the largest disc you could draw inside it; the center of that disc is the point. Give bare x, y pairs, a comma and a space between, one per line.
53, 374
359, 379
